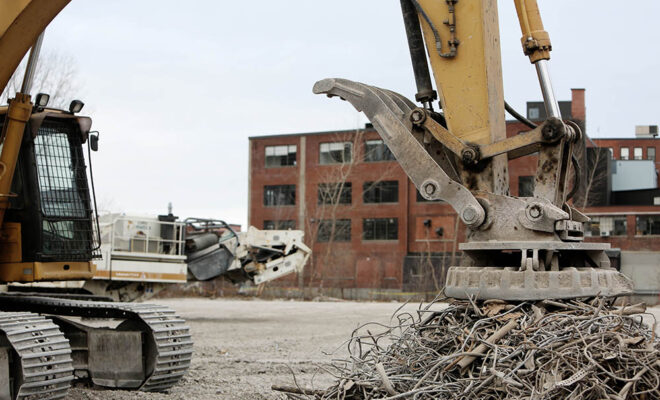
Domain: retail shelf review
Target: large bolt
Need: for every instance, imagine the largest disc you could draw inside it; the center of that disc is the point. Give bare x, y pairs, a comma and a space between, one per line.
469, 215
417, 116
430, 188
535, 211
469, 156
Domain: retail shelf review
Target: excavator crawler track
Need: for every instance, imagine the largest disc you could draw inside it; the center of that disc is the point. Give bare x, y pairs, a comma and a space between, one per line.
41, 354
168, 344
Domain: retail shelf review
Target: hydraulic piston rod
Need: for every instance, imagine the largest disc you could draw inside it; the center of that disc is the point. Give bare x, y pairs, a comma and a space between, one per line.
536, 44
549, 99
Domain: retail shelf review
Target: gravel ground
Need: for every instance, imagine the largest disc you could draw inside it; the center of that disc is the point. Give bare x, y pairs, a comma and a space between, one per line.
242, 347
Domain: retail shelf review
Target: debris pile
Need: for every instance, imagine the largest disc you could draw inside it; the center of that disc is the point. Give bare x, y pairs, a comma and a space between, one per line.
567, 349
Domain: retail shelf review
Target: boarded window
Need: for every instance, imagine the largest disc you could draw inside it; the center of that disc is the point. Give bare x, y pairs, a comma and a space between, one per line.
339, 230
380, 229
335, 193
280, 156
281, 225
525, 186
377, 150
381, 192
280, 195
335, 153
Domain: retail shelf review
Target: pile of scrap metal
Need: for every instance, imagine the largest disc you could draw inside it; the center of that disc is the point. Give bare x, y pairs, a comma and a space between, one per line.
566, 349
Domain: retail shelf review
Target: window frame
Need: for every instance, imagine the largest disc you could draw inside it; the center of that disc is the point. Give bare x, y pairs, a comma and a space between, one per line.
286, 156
596, 221
384, 152
648, 151
637, 223
336, 197
330, 160
339, 230
376, 188
266, 195
637, 156
388, 229
627, 156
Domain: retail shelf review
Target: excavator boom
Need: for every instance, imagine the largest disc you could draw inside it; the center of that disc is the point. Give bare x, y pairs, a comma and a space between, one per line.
518, 248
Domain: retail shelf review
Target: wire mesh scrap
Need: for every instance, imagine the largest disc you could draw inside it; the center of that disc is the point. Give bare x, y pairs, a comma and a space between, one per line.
560, 349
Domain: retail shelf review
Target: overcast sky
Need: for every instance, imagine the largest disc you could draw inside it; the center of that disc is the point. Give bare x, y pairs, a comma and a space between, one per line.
176, 88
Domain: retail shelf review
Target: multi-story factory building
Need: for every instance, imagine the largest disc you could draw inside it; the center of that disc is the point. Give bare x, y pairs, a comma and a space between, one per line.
372, 233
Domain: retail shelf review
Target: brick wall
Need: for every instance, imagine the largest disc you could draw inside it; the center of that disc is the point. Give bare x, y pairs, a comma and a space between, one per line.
426, 230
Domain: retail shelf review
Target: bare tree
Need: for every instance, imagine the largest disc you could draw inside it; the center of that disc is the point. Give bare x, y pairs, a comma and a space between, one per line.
55, 75
326, 221
597, 173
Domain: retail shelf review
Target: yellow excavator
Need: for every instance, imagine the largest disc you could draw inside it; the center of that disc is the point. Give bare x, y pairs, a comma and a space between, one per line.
517, 248
49, 232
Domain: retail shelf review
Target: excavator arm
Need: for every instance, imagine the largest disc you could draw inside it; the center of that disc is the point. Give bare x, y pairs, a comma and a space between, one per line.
526, 248
21, 22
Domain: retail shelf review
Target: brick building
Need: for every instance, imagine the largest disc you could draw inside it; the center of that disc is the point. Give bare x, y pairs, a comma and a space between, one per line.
369, 229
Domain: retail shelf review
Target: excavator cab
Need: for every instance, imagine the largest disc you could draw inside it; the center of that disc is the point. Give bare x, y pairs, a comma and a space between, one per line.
50, 219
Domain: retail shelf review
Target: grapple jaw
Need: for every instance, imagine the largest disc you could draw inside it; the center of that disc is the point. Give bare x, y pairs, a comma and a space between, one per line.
518, 248
390, 113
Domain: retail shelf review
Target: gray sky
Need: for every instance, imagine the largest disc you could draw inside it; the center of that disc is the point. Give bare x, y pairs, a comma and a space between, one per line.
177, 87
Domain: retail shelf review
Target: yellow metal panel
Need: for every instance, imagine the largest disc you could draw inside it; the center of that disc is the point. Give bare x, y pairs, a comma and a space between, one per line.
21, 21
50, 271
470, 84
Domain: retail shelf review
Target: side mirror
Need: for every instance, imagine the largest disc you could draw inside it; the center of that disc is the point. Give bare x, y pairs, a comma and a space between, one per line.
94, 141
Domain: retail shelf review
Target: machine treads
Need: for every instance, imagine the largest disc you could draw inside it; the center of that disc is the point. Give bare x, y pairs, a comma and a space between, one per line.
43, 353
173, 349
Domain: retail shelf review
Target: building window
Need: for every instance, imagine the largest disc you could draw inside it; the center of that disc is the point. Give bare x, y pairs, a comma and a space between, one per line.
637, 153
421, 199
625, 153
611, 150
525, 186
377, 150
381, 192
533, 113
650, 153
335, 193
648, 225
380, 229
342, 230
280, 195
280, 156
606, 226
279, 225
336, 153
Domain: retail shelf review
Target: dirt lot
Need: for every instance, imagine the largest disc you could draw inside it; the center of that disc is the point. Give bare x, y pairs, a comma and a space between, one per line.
242, 347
